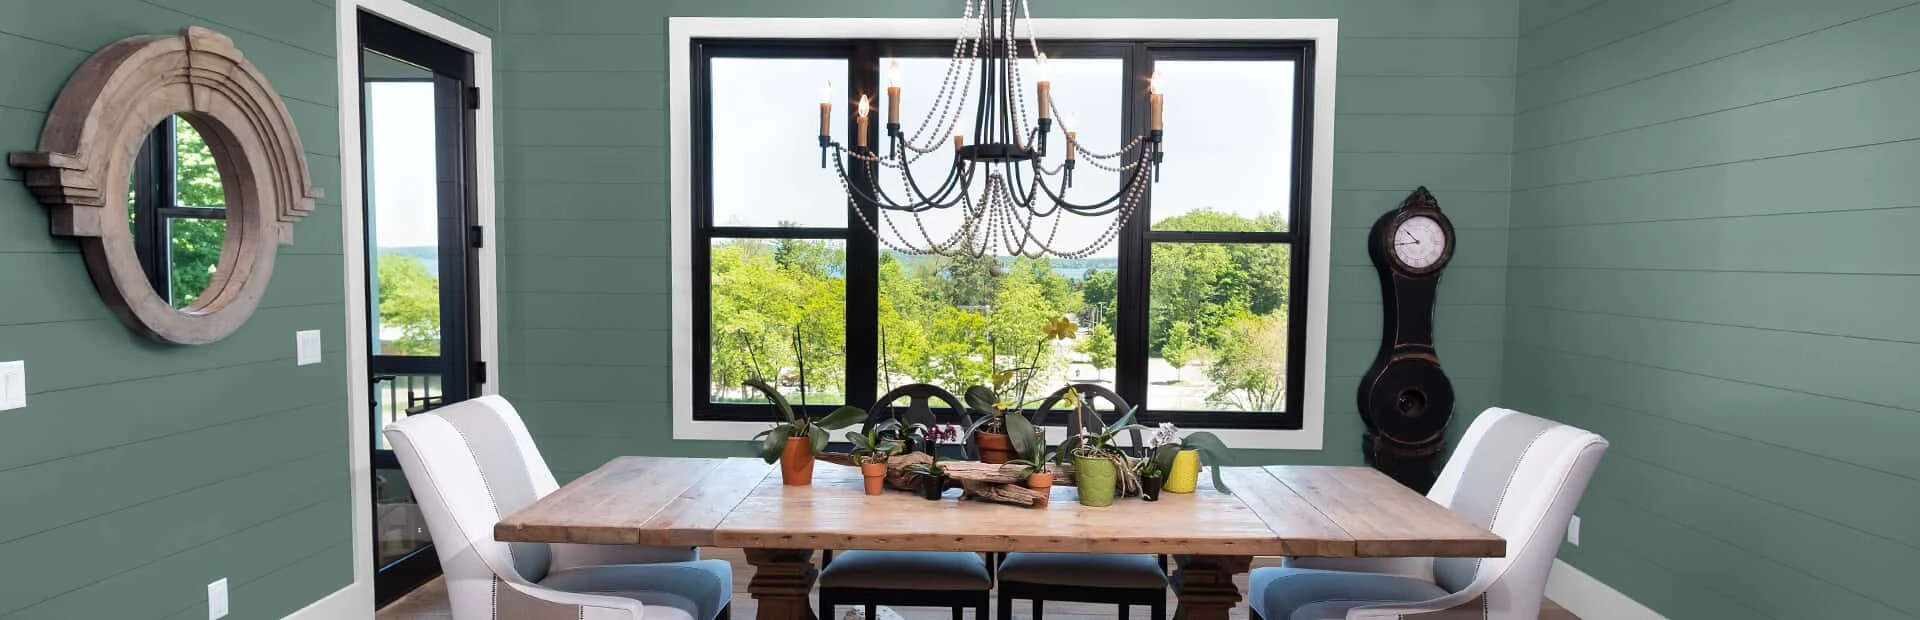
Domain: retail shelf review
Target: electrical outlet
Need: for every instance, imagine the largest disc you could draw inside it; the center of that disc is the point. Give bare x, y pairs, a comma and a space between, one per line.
1573, 531
307, 347
13, 385
217, 599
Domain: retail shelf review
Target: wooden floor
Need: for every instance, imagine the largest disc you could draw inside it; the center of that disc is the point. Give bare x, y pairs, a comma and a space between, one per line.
430, 601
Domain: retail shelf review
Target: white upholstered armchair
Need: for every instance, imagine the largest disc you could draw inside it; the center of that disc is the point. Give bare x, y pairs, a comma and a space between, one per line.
1518, 475
472, 463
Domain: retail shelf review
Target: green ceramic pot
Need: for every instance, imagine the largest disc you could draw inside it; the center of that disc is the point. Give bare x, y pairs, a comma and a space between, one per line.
1096, 479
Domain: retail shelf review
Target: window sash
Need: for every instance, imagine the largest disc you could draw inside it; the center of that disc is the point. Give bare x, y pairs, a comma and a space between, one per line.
862, 248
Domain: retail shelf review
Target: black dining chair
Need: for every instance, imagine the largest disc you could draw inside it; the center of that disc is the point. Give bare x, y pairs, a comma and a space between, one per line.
957, 580
1123, 579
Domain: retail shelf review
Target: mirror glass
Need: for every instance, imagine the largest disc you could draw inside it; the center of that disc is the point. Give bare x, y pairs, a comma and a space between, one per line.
176, 211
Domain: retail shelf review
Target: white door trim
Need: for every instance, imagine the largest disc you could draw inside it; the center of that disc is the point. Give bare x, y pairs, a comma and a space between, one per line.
356, 600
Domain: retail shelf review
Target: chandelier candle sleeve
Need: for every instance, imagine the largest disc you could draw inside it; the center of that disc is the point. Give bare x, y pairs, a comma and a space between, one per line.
893, 94
826, 110
1071, 144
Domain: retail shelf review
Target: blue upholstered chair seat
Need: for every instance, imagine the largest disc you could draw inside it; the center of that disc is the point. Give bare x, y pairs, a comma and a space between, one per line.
700, 588
1308, 594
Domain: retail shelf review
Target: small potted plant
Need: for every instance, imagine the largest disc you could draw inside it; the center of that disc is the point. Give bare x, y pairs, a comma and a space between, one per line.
871, 450
1099, 467
932, 477
1180, 458
1151, 478
1001, 422
794, 442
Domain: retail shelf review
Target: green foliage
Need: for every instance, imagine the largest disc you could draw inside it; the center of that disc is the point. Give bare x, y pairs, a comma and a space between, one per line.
197, 178
1178, 348
1098, 294
766, 292
194, 251
1209, 284
409, 301
1251, 372
1098, 346
194, 244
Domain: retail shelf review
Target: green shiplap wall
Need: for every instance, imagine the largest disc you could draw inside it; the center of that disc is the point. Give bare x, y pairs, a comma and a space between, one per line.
1425, 97
139, 472
1711, 264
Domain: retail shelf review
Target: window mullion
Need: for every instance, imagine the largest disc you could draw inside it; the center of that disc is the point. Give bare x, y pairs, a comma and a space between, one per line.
1130, 337
863, 253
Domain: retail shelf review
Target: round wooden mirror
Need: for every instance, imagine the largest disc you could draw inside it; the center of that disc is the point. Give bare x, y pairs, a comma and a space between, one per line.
101, 171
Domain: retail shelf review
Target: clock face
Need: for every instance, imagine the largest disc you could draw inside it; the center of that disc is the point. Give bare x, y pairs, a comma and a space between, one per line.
1419, 242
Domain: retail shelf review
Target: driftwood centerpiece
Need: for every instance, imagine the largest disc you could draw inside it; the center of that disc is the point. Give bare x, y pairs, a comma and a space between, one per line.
990, 482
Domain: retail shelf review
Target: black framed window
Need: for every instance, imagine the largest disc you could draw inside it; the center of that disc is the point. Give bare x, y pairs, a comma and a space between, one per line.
1197, 310
177, 212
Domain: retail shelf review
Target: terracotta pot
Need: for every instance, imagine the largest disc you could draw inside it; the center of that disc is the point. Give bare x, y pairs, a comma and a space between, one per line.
1042, 482
796, 462
995, 448
876, 476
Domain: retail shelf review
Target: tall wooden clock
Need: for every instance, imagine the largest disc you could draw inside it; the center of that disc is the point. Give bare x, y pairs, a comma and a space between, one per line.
1405, 397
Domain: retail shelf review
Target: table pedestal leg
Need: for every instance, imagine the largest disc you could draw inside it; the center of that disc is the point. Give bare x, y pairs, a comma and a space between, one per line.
1207, 591
782, 581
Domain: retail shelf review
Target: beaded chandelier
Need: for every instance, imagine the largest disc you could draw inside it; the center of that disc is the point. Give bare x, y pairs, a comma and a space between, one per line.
1024, 200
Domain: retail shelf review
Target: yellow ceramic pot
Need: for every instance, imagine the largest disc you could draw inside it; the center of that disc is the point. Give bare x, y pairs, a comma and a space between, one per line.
1185, 473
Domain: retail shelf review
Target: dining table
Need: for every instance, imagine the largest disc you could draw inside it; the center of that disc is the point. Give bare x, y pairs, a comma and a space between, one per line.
1281, 510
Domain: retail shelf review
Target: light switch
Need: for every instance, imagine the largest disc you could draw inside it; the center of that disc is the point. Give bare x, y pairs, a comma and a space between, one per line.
217, 599
13, 385
307, 347
1573, 531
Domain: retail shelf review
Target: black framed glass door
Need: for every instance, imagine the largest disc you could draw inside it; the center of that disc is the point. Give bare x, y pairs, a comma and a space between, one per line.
417, 141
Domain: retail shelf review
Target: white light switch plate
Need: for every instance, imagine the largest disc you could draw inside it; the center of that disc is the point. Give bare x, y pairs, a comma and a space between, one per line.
307, 347
1573, 531
13, 385
217, 599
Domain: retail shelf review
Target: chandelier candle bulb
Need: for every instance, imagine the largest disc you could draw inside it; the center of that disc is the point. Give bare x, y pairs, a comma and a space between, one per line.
860, 133
1154, 100
893, 93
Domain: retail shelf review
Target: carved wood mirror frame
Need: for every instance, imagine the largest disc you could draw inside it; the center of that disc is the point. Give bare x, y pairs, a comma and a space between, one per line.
91, 140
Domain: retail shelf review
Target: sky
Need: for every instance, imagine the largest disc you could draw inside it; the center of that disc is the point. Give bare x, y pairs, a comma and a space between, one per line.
401, 158
1227, 140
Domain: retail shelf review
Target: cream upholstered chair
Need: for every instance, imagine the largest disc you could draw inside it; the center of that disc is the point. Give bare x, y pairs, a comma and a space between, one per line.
1518, 475
472, 463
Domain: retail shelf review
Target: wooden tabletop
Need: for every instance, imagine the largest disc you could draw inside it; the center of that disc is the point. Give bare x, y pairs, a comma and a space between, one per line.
1278, 510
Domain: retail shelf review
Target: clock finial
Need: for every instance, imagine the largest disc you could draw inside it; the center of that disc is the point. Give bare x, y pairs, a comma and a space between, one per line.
1420, 198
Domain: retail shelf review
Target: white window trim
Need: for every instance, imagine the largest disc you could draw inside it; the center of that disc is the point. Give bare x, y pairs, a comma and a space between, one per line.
1324, 33
356, 599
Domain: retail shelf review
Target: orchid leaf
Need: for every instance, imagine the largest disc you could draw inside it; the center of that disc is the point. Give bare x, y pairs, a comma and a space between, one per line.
841, 418
779, 402
1020, 434
776, 441
818, 438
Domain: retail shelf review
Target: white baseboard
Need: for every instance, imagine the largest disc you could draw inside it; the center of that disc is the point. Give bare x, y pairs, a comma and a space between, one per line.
354, 602
1590, 599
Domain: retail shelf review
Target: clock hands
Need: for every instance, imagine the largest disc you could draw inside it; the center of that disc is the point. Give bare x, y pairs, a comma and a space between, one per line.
1410, 241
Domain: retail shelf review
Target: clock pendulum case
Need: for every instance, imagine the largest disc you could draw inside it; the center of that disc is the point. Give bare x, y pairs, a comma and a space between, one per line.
1405, 398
